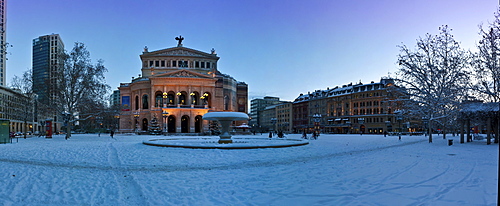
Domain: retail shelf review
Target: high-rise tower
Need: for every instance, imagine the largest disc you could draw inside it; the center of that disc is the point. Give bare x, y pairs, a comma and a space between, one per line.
48, 51
3, 43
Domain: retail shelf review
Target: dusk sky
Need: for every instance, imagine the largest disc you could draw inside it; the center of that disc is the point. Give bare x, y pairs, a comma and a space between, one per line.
279, 48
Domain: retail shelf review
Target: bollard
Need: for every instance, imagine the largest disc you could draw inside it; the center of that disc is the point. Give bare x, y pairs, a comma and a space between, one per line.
450, 142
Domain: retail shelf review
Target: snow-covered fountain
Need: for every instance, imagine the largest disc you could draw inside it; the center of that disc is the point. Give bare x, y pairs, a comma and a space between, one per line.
225, 119
225, 141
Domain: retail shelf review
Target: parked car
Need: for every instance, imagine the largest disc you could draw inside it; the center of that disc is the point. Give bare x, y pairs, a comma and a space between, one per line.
18, 134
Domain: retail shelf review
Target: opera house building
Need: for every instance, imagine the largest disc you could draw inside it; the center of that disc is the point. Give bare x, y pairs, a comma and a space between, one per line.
177, 86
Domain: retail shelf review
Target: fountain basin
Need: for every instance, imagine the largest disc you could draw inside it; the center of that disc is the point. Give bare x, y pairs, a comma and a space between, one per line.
237, 143
225, 119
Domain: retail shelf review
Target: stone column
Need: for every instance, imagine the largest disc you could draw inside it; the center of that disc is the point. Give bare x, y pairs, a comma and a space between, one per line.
178, 123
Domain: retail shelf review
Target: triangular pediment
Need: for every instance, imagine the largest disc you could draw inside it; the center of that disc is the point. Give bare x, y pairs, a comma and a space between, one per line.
183, 73
179, 52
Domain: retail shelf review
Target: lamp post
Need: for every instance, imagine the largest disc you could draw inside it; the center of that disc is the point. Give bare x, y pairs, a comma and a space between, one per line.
273, 121
317, 119
179, 101
136, 117
193, 98
117, 118
99, 122
165, 115
165, 96
399, 118
66, 117
425, 121
361, 121
388, 126
204, 98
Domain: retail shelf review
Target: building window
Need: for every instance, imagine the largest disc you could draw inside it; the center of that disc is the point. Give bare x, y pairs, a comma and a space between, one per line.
145, 104
136, 102
202, 64
197, 64
162, 63
208, 65
157, 63
174, 63
150, 63
158, 100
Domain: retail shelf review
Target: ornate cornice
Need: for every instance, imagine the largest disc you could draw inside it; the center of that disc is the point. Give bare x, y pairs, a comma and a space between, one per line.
183, 73
179, 52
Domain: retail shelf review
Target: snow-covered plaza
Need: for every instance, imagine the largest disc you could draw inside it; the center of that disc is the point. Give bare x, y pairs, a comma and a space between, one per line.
333, 170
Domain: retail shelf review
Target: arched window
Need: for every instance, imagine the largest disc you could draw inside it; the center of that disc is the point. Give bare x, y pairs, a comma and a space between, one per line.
136, 102
158, 100
145, 104
170, 98
226, 102
182, 98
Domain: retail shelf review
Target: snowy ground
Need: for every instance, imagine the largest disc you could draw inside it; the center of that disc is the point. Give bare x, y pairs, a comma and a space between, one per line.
333, 170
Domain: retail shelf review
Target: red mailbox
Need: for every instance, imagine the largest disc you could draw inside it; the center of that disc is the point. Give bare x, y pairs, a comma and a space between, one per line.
48, 129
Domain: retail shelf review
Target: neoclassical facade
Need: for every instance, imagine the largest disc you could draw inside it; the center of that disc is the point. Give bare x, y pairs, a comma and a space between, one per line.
178, 86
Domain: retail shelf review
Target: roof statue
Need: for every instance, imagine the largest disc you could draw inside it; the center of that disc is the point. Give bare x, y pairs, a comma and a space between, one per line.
180, 38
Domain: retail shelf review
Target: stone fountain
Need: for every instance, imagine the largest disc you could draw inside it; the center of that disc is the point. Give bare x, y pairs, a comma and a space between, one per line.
225, 141
225, 119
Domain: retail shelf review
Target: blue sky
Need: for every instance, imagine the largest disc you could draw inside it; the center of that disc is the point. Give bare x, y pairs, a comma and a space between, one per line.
279, 48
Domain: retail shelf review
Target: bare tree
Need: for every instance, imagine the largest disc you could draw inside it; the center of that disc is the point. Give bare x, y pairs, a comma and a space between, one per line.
487, 65
25, 85
79, 81
434, 76
487, 62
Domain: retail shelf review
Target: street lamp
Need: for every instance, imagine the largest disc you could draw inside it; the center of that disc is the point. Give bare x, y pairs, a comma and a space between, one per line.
165, 96
317, 119
193, 98
117, 117
388, 125
361, 121
165, 115
136, 117
204, 98
66, 117
180, 101
273, 121
399, 118
425, 121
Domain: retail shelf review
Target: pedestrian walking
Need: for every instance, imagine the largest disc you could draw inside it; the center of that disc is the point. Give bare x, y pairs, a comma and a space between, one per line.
112, 133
